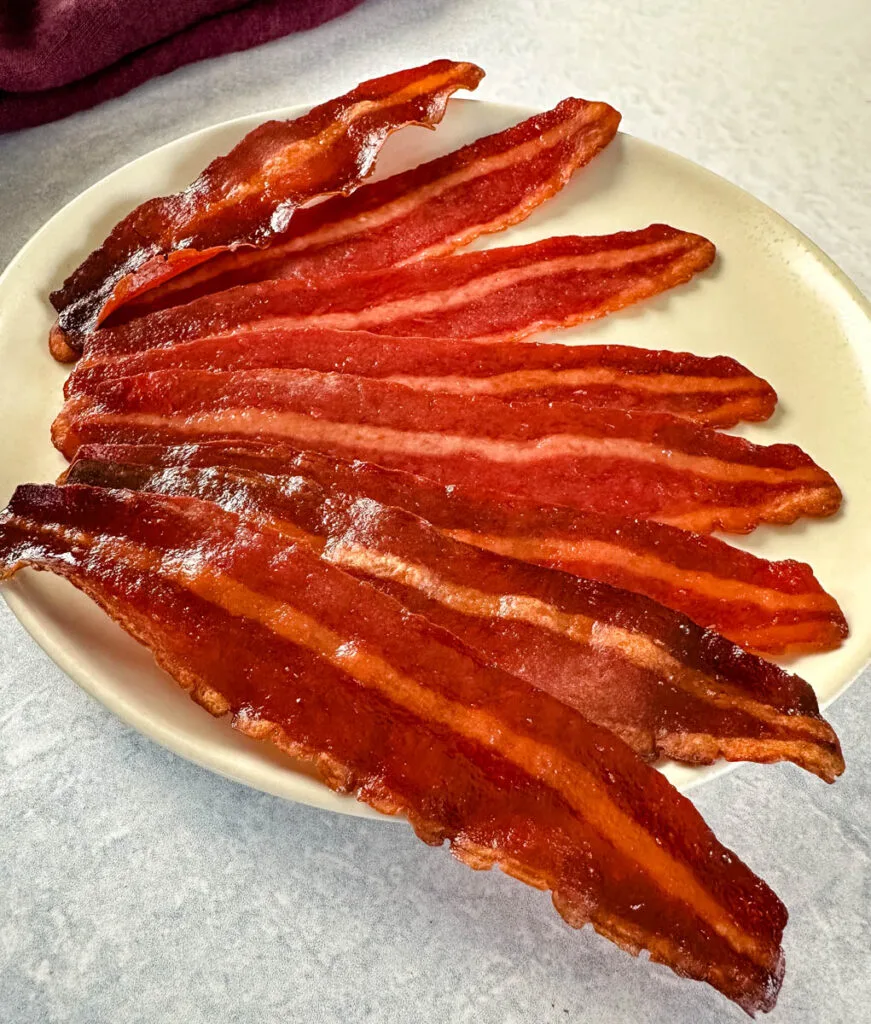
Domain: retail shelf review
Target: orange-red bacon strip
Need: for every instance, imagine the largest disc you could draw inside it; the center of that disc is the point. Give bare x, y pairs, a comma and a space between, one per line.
716, 391
645, 465
663, 684
393, 709
498, 295
773, 607
428, 211
247, 197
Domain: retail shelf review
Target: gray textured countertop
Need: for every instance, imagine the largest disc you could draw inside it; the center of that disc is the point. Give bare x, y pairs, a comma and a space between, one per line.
137, 887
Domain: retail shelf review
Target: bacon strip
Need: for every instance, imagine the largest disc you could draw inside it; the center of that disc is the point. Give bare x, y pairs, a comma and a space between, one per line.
390, 708
772, 607
428, 211
497, 295
716, 391
661, 683
248, 196
646, 465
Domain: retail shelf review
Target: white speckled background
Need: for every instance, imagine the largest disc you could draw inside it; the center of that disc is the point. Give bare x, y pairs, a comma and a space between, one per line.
137, 887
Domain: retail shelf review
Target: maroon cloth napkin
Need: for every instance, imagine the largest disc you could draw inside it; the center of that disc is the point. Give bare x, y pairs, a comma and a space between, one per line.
60, 56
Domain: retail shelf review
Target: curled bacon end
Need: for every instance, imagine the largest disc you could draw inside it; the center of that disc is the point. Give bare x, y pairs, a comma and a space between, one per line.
640, 464
429, 211
771, 607
248, 196
394, 710
715, 391
658, 681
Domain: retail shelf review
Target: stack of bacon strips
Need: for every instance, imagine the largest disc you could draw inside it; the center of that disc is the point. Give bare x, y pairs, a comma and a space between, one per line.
318, 471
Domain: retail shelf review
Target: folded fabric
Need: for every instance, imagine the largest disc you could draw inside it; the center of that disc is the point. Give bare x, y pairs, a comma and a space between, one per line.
60, 56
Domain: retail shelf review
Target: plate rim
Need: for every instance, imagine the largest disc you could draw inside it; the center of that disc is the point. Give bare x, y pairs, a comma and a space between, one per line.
219, 759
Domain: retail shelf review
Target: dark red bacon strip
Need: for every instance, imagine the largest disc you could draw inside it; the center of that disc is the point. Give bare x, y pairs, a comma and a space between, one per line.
428, 211
392, 709
773, 607
248, 196
661, 683
497, 295
716, 391
645, 465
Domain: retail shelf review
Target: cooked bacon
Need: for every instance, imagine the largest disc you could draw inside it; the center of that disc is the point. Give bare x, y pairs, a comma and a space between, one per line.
392, 709
771, 607
646, 465
248, 196
497, 295
716, 391
428, 211
664, 685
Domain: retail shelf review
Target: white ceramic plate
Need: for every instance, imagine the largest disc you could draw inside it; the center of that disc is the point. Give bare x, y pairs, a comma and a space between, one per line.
773, 301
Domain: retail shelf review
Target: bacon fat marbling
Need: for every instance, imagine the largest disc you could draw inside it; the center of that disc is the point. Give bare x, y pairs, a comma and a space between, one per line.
502, 294
663, 684
715, 391
772, 607
392, 709
644, 465
248, 196
427, 211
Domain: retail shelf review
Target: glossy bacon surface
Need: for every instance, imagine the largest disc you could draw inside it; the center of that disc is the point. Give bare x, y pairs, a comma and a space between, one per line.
391, 708
248, 196
661, 683
716, 391
428, 211
772, 607
501, 294
645, 465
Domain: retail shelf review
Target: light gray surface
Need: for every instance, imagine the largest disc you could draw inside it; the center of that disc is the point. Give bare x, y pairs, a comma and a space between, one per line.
136, 887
